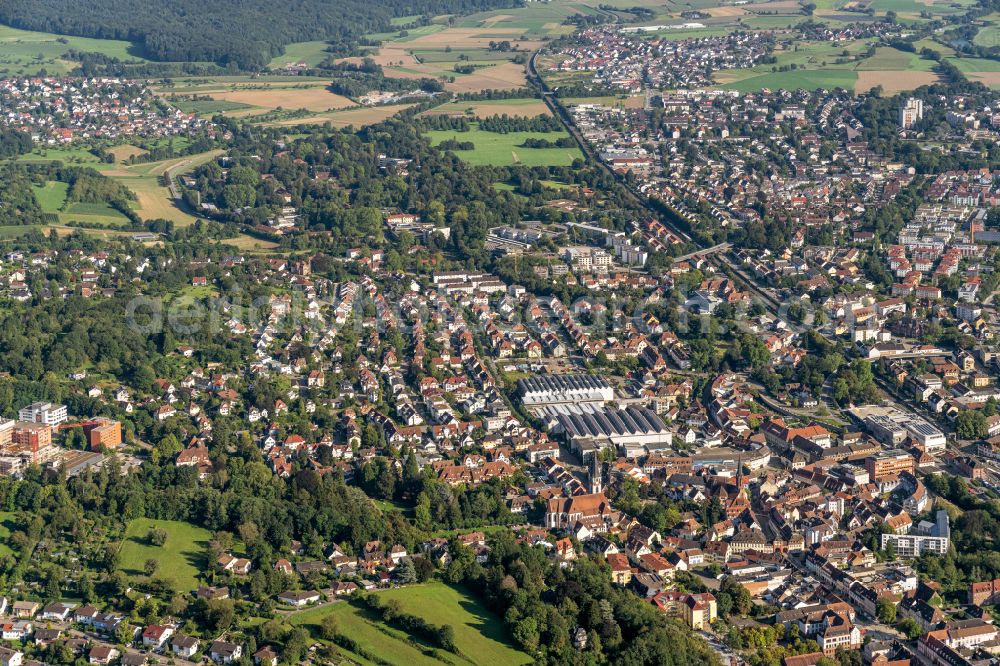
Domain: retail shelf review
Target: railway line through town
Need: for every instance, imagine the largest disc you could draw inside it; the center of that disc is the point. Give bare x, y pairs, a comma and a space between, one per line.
717, 255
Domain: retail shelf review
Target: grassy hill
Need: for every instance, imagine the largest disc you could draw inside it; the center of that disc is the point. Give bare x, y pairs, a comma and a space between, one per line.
479, 634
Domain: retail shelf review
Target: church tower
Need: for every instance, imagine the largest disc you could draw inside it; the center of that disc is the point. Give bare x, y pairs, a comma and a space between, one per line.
596, 474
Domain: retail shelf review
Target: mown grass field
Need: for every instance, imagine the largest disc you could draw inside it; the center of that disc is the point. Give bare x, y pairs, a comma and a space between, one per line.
980, 70
238, 96
248, 243
921, 44
51, 196
93, 213
479, 634
989, 35
492, 148
125, 151
621, 101
434, 50
821, 65
888, 58
975, 64
311, 53
181, 558
367, 115
153, 200
209, 107
534, 19
69, 156
912, 8
190, 294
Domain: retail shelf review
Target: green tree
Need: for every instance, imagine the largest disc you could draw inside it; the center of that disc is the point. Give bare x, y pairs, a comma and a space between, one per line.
296, 646
526, 634
971, 424
885, 610
238, 196
329, 627
909, 627
990, 408
157, 536
406, 573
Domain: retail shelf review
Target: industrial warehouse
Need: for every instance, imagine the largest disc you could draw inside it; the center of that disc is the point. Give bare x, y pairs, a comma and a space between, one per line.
631, 431
565, 389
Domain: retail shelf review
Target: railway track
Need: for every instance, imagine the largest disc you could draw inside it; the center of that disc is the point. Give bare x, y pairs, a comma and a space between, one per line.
718, 259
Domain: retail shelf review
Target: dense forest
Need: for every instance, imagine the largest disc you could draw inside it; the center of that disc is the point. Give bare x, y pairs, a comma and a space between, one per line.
245, 33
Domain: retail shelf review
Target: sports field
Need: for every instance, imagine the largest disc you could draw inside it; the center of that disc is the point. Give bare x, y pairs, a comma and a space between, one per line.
181, 558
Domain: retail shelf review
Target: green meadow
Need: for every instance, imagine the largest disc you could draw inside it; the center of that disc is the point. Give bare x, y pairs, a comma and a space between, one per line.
805, 79
494, 149
25, 52
51, 196
479, 634
181, 558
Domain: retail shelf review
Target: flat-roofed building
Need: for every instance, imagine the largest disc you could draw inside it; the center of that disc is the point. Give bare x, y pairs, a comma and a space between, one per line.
889, 462
103, 432
43, 412
32, 441
6, 434
924, 537
925, 435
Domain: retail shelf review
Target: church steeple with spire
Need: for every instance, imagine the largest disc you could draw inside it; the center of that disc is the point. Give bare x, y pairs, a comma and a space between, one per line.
596, 480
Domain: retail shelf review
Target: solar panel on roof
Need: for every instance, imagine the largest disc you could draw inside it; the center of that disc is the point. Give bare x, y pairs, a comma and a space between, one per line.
616, 421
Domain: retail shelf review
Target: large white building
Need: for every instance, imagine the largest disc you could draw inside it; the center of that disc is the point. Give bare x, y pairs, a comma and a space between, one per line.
892, 426
565, 389
924, 537
43, 412
586, 258
911, 112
